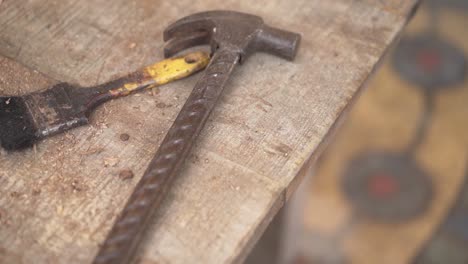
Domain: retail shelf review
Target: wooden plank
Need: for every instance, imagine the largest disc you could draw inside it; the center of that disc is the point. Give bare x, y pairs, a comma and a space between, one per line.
58, 202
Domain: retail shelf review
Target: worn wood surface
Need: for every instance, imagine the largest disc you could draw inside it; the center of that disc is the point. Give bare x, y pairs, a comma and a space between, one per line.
59, 200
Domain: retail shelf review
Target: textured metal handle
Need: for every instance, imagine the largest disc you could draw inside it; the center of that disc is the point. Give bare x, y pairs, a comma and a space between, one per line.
122, 241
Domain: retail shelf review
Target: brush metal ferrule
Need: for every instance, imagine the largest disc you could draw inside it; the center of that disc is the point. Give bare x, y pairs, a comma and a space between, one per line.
54, 111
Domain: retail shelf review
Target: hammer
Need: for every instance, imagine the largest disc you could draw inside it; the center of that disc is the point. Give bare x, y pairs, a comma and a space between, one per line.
233, 36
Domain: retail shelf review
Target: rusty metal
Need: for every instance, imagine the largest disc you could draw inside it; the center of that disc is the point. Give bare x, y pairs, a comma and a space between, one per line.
233, 36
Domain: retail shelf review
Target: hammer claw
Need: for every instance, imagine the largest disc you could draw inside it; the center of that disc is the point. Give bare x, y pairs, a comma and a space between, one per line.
176, 44
203, 21
186, 27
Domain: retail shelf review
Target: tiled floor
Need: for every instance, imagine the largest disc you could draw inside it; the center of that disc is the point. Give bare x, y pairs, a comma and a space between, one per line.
392, 187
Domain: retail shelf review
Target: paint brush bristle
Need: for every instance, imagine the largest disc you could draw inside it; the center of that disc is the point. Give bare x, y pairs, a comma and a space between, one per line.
17, 129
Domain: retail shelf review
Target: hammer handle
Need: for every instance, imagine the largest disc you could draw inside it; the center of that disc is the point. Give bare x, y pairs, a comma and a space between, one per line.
122, 242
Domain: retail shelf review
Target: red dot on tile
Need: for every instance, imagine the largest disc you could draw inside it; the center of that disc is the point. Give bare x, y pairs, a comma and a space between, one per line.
383, 185
429, 59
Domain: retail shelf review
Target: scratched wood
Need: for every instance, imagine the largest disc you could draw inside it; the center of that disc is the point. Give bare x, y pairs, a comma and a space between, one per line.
60, 199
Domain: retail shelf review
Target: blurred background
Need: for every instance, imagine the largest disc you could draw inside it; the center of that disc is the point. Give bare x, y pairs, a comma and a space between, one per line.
392, 187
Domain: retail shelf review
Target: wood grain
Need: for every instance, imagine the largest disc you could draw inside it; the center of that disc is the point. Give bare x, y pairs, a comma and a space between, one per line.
57, 203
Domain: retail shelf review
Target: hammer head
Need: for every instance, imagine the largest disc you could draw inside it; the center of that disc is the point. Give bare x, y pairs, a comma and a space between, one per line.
238, 32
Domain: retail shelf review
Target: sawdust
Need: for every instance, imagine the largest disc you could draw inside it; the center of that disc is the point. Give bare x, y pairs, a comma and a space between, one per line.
15, 78
154, 91
76, 187
111, 162
90, 151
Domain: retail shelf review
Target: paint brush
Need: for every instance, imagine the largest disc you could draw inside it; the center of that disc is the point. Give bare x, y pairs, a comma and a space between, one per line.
26, 119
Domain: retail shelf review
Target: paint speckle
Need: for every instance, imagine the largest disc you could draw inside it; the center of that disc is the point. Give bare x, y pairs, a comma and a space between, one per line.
163, 105
190, 59
126, 174
36, 192
15, 194
124, 137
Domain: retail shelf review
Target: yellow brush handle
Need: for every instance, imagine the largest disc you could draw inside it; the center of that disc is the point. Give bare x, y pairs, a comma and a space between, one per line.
163, 72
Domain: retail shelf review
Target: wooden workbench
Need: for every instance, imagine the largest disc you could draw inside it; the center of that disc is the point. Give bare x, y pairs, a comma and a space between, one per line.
59, 200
